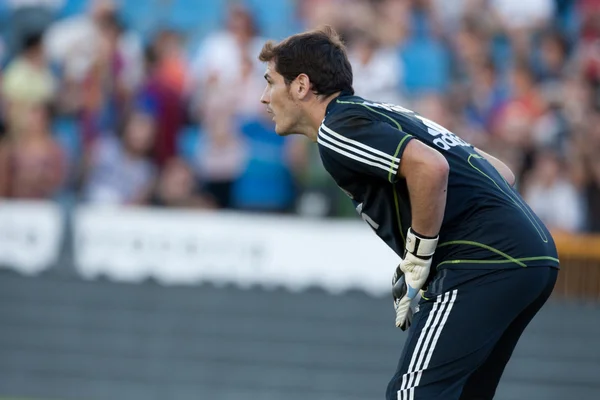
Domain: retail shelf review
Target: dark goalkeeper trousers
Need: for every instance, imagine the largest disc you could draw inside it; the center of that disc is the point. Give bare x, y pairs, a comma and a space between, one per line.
463, 336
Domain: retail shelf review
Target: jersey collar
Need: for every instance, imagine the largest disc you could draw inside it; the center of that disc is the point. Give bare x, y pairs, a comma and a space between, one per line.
333, 101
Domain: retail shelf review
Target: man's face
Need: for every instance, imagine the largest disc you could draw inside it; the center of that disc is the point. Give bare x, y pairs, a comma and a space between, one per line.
279, 101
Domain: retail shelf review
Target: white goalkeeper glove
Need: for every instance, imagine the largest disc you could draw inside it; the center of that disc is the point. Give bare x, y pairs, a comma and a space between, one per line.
411, 275
399, 290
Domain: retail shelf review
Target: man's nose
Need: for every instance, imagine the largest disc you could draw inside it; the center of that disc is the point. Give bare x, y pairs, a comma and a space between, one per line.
265, 97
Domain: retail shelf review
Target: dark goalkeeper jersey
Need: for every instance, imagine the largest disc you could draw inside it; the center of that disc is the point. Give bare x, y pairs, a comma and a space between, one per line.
486, 222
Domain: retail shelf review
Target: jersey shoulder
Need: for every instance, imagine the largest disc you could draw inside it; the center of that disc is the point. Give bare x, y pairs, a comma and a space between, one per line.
357, 138
355, 110
346, 114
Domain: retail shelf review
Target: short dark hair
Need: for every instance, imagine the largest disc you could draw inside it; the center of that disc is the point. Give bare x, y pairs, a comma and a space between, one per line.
319, 53
33, 40
112, 22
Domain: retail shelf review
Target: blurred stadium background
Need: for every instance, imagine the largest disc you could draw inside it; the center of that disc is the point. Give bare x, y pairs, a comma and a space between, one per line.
159, 241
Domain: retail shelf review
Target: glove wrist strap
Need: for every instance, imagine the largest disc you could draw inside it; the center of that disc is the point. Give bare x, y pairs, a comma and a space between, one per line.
420, 246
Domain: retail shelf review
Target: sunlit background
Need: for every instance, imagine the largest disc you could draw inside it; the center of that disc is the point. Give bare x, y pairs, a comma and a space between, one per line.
159, 241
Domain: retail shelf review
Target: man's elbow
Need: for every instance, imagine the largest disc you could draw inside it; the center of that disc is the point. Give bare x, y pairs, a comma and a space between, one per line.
501, 167
506, 173
424, 160
441, 165
437, 165
510, 178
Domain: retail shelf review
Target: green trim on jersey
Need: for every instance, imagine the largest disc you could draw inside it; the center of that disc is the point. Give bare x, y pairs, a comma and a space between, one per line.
395, 156
518, 261
484, 246
371, 109
398, 214
517, 202
498, 261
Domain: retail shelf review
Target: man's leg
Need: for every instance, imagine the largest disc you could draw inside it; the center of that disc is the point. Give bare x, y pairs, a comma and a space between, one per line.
427, 326
482, 384
454, 332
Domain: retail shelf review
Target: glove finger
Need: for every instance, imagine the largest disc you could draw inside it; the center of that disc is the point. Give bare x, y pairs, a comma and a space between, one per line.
408, 321
402, 307
399, 289
397, 274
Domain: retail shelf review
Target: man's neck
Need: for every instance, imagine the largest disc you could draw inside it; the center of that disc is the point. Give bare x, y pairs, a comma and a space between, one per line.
316, 115
34, 58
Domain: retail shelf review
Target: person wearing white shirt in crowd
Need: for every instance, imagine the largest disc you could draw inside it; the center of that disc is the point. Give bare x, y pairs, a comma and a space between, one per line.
519, 14
377, 70
552, 196
74, 42
226, 55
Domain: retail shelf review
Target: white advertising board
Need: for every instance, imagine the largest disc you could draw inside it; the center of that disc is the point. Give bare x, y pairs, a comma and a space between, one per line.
30, 235
185, 247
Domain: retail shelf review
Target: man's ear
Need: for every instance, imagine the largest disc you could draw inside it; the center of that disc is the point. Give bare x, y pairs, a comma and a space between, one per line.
302, 86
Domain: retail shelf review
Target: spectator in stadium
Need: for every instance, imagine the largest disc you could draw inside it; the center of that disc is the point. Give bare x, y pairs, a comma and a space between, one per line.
105, 94
316, 12
171, 66
32, 163
485, 96
587, 148
220, 155
552, 126
470, 49
99, 63
176, 187
72, 43
453, 14
551, 195
550, 59
120, 170
27, 80
267, 182
516, 117
393, 22
161, 93
220, 58
377, 69
424, 49
520, 20
592, 191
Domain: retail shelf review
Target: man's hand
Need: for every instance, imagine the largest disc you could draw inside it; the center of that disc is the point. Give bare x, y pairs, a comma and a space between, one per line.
411, 274
399, 290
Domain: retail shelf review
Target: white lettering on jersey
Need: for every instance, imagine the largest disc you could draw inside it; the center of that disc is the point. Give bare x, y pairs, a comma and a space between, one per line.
444, 139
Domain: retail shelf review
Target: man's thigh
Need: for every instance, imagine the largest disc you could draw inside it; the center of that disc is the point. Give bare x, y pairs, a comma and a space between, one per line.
482, 384
454, 332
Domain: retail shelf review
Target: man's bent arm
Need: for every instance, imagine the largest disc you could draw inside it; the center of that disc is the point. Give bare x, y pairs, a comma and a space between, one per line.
426, 173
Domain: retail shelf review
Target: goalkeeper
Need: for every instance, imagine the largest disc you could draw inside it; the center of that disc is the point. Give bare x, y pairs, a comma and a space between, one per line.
482, 261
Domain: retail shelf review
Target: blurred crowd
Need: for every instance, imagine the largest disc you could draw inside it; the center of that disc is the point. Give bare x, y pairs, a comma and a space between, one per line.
94, 111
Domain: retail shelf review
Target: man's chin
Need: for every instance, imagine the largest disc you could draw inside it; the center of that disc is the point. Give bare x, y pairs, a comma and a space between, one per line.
281, 132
